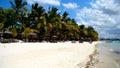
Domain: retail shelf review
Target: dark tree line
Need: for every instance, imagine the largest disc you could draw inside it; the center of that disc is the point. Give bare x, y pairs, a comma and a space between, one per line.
38, 25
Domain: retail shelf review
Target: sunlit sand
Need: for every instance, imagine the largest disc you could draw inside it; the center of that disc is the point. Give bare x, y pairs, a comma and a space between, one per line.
45, 55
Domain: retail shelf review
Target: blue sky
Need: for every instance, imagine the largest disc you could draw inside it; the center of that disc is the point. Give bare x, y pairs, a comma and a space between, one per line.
103, 15
71, 6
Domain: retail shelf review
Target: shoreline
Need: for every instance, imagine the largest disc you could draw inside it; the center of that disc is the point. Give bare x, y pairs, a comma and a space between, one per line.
46, 55
93, 58
106, 58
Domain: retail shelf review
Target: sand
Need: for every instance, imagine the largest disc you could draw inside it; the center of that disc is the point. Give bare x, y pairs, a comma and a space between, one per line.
45, 55
106, 58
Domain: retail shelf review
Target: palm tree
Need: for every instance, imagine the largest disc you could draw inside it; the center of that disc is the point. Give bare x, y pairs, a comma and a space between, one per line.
2, 18
26, 33
18, 16
1, 25
37, 14
19, 9
92, 34
18, 6
55, 21
83, 33
95, 36
65, 17
38, 20
14, 32
1, 30
50, 21
73, 31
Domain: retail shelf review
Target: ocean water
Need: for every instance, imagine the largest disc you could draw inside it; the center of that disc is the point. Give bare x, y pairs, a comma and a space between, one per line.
108, 55
113, 47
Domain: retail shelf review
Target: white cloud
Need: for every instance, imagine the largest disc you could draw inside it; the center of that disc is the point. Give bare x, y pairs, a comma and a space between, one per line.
103, 16
49, 2
70, 5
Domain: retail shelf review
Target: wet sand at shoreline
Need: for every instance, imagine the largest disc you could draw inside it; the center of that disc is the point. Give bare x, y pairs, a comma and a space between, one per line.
106, 59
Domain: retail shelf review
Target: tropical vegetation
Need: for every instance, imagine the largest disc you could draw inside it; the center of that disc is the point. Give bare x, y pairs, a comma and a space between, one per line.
39, 24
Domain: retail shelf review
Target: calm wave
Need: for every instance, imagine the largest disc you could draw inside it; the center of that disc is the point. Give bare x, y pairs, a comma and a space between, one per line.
113, 45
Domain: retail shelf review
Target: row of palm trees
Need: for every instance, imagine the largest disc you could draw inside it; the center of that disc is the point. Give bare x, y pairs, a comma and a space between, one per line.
39, 24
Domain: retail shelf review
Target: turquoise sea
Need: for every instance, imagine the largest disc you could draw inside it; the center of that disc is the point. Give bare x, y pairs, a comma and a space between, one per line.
114, 46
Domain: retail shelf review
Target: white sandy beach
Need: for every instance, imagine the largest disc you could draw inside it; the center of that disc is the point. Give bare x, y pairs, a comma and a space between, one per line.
45, 55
